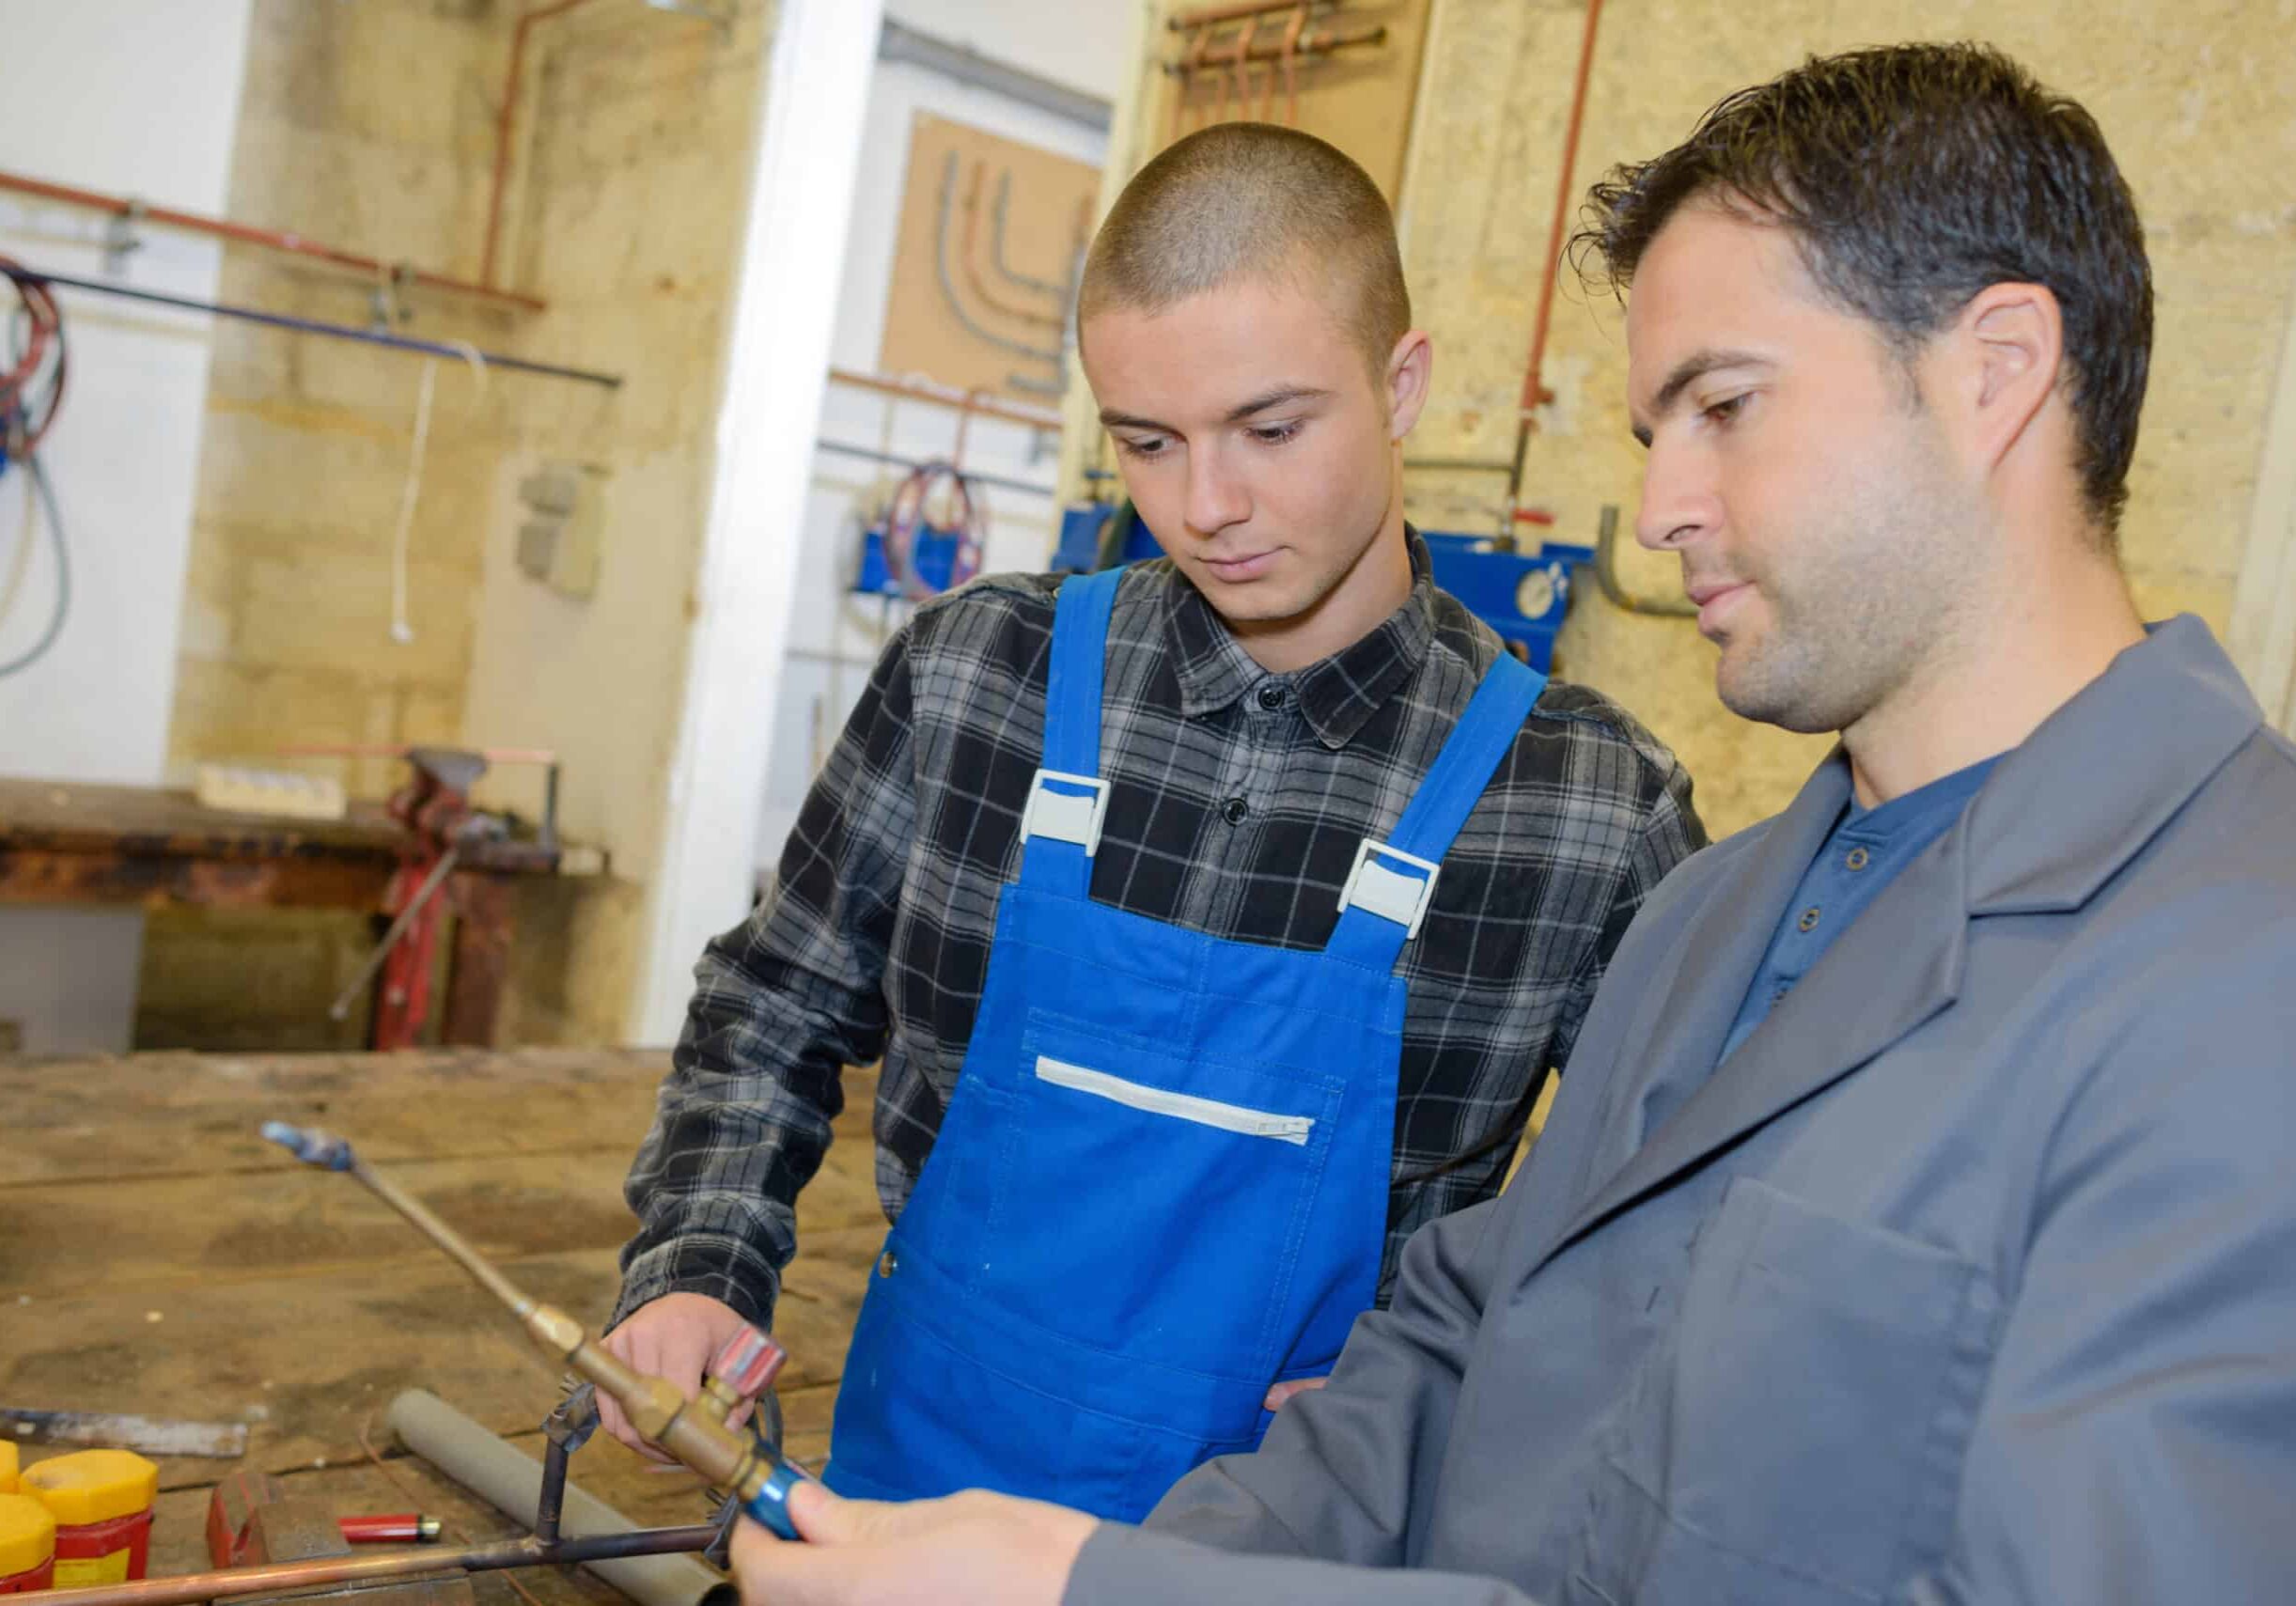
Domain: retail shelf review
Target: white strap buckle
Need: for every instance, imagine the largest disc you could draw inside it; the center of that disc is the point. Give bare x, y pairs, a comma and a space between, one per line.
1387, 893
1064, 815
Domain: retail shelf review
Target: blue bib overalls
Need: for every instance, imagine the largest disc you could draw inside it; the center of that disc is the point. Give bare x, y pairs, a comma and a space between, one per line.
1161, 1184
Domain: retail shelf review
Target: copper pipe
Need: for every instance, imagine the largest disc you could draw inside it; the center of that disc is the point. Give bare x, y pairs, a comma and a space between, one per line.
528, 1551
968, 401
502, 128
1291, 66
1242, 82
1317, 42
1181, 21
964, 426
1535, 392
1290, 45
971, 270
1198, 52
271, 240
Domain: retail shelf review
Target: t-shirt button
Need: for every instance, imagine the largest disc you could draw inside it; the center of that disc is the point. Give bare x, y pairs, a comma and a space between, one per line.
1809, 919
1858, 859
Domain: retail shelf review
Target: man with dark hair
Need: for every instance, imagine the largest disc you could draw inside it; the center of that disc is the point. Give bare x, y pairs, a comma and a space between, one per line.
1915, 1225
1217, 920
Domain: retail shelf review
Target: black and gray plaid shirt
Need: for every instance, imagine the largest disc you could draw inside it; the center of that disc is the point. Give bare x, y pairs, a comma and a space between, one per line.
1236, 800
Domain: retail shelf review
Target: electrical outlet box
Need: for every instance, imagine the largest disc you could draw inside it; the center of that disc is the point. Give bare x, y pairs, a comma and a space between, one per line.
559, 540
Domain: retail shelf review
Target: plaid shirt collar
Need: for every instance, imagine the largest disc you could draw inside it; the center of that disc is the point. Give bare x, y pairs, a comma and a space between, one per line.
1337, 694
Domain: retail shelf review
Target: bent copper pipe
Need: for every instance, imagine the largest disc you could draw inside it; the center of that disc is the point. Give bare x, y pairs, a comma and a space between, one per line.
529, 1552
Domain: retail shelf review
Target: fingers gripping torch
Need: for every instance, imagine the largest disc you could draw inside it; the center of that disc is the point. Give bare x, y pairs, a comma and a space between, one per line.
692, 1431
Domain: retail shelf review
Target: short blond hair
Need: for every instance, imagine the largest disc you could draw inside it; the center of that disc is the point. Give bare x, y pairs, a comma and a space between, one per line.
1240, 200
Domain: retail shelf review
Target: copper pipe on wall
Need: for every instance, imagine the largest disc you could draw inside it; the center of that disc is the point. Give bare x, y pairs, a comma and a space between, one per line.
1242, 63
969, 402
529, 1552
1534, 393
1181, 21
1290, 59
269, 239
502, 124
1314, 41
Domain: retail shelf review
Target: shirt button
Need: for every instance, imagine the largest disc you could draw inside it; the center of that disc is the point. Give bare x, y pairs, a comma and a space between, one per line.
1234, 811
1858, 859
1779, 997
1809, 919
888, 1263
1270, 696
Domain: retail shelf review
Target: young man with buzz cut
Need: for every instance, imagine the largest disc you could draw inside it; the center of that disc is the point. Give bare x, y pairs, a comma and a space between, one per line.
1216, 920
1913, 1226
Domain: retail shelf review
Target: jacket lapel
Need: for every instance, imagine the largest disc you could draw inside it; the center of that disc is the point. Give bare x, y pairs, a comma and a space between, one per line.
2059, 816
1698, 994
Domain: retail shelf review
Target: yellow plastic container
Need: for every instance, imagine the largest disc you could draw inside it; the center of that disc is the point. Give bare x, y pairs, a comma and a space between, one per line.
7, 1466
101, 1503
27, 1545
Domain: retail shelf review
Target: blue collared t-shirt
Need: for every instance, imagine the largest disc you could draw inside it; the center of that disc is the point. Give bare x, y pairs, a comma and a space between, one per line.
1863, 853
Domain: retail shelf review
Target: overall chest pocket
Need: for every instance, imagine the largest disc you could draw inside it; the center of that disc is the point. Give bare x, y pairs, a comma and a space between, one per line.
1152, 1202
1800, 1437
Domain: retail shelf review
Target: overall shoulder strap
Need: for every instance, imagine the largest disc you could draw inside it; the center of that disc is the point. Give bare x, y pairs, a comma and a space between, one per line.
1068, 797
1388, 892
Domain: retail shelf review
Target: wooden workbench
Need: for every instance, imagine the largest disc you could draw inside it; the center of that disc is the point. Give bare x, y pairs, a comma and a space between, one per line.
149, 848
157, 1257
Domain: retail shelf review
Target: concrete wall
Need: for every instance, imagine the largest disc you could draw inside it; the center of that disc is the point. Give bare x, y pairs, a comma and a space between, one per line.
372, 126
85, 85
2199, 102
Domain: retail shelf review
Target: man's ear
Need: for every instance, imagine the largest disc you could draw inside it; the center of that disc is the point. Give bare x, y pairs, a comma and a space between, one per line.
2009, 349
1409, 369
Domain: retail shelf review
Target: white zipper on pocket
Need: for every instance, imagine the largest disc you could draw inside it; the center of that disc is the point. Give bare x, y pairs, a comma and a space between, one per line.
1186, 1107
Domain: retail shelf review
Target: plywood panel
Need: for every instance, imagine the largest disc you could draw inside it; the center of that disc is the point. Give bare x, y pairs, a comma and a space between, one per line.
1360, 98
955, 315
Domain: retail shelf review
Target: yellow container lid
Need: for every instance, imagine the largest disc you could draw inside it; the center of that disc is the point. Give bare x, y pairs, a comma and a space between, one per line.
27, 1534
7, 1466
92, 1486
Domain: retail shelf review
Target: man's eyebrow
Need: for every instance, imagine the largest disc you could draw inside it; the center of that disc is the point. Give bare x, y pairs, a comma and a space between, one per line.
1277, 398
1688, 372
1113, 419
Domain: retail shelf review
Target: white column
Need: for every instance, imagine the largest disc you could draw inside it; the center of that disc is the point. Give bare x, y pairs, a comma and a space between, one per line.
785, 310
2264, 605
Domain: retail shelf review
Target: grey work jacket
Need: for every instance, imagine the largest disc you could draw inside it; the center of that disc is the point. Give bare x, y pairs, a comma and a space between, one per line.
1970, 1276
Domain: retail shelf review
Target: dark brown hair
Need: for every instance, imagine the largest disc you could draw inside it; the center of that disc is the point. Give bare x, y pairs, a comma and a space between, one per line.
1912, 177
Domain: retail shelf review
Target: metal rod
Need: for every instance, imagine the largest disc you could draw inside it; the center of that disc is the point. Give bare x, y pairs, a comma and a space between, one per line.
1008, 412
1607, 576
432, 883
972, 268
997, 216
894, 460
949, 284
269, 239
314, 1146
491, 1557
334, 331
551, 1501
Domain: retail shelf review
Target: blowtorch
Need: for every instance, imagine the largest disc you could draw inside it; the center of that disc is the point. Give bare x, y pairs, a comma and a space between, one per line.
694, 1432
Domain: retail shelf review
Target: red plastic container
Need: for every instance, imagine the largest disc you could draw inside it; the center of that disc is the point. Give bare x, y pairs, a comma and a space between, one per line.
41, 1577
111, 1552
